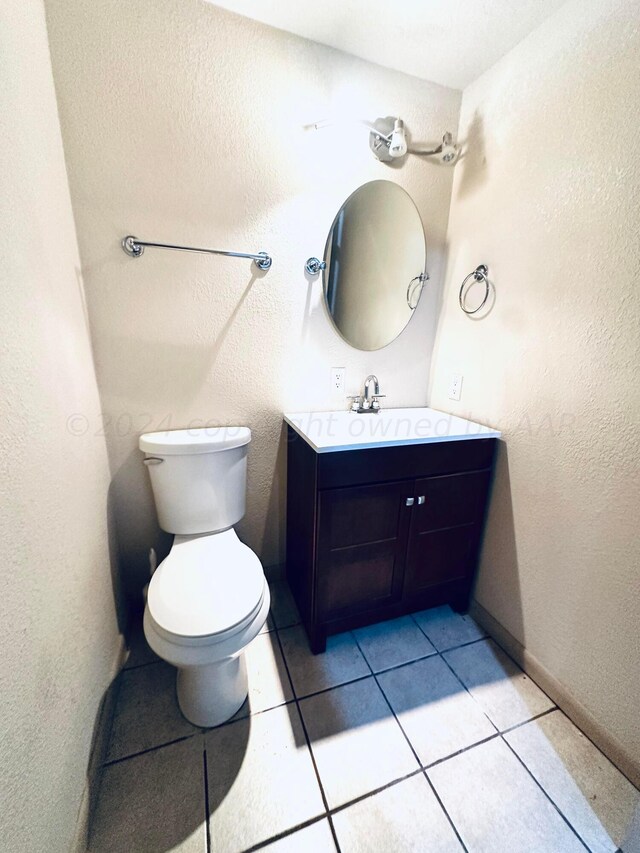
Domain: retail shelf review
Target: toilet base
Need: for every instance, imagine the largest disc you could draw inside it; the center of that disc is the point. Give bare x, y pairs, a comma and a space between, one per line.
209, 695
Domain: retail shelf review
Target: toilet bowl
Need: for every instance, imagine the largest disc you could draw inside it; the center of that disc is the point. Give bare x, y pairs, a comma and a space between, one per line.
208, 598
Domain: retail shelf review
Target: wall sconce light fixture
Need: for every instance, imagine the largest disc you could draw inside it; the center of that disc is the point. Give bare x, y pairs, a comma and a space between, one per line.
387, 140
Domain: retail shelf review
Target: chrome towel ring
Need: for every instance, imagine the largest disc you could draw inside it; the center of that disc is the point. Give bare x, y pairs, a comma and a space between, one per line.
479, 274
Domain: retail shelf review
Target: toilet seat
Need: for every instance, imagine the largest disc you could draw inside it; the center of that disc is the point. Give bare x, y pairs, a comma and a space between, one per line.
206, 590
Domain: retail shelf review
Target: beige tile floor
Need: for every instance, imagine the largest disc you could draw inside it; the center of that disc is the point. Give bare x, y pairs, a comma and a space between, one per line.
416, 735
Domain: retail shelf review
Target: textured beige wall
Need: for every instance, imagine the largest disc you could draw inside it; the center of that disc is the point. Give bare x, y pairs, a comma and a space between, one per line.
549, 197
182, 122
58, 630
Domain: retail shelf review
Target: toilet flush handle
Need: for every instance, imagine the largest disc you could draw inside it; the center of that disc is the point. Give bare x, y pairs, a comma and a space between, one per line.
152, 460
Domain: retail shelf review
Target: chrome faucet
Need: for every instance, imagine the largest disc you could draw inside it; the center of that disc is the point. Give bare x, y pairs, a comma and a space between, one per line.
368, 402
367, 384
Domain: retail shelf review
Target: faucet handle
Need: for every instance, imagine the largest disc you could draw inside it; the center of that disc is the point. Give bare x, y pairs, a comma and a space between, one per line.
374, 400
356, 401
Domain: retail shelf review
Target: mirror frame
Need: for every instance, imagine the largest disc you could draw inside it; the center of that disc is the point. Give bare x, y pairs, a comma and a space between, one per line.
325, 271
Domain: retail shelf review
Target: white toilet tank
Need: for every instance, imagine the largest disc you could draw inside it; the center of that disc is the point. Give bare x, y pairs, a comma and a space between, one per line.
198, 476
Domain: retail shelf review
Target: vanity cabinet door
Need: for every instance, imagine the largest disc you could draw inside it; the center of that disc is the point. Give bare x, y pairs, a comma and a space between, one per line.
362, 539
445, 530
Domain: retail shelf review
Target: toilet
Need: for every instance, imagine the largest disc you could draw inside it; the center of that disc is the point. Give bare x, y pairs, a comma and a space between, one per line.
208, 598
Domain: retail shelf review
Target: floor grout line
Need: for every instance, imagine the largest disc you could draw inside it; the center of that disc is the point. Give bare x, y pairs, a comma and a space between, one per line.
309, 747
446, 813
361, 797
306, 696
150, 749
442, 653
422, 769
466, 689
484, 636
206, 800
457, 677
500, 733
553, 803
372, 672
248, 716
297, 698
285, 833
515, 663
417, 757
140, 665
461, 751
283, 627
530, 720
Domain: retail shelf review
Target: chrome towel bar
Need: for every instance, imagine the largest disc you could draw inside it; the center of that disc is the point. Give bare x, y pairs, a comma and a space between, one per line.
134, 248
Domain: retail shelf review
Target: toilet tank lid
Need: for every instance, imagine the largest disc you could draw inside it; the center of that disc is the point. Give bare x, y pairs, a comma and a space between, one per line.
176, 442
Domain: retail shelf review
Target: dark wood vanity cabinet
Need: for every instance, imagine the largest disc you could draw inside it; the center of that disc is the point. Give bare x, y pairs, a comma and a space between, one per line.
379, 532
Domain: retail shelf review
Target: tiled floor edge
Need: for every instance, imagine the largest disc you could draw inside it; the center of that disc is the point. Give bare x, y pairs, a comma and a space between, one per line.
98, 751
558, 693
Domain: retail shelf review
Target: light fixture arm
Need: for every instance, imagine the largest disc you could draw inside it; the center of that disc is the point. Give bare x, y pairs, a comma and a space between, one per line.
424, 151
447, 139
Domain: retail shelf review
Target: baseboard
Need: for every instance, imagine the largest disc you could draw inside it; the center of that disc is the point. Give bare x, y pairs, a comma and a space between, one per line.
575, 710
97, 755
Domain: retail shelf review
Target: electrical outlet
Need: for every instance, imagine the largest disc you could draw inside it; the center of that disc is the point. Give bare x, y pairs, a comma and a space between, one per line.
455, 386
337, 379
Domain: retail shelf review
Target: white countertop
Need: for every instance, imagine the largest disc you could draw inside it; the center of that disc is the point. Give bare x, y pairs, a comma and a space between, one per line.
332, 431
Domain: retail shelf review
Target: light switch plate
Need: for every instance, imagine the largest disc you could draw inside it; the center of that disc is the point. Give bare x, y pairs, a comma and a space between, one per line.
455, 386
337, 379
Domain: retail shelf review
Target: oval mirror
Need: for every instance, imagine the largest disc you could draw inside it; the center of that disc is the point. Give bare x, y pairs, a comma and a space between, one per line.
375, 265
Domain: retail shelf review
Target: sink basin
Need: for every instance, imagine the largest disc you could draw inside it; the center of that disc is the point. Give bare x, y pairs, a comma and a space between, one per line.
331, 431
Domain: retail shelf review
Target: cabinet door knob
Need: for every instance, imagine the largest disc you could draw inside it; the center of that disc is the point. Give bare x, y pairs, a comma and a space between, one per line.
409, 502
421, 500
